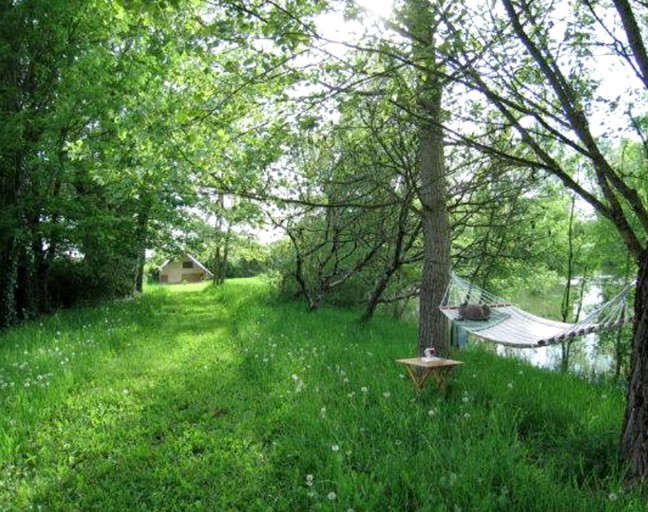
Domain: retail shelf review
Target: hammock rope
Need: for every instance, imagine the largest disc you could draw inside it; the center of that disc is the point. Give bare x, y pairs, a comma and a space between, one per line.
514, 327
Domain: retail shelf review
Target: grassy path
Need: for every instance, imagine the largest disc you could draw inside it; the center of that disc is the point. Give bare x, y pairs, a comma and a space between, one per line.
194, 398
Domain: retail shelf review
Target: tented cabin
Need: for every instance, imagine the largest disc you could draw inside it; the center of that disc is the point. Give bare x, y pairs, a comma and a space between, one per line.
183, 269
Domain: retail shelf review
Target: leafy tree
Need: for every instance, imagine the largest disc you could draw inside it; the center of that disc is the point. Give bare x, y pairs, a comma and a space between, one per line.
537, 68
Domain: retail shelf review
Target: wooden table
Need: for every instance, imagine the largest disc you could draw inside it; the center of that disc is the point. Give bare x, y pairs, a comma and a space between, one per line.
420, 368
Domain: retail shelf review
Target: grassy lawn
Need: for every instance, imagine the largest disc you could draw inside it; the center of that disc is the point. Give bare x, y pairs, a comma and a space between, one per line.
195, 398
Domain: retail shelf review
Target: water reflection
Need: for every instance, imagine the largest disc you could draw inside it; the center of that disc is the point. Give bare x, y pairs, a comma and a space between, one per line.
586, 356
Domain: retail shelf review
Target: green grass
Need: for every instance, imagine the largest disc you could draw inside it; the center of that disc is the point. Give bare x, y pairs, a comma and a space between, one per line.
195, 398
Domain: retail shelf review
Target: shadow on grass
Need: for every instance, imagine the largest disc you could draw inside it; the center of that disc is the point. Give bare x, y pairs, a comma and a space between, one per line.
566, 424
222, 400
171, 424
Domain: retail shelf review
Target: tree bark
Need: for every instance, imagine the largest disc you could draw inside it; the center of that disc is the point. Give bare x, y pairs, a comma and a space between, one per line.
433, 325
8, 283
634, 438
139, 270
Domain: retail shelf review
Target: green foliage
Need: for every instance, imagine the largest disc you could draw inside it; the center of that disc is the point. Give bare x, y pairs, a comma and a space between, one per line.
113, 127
204, 398
74, 282
248, 258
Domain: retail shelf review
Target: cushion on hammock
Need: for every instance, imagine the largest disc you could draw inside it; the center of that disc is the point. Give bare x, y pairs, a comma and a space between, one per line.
474, 311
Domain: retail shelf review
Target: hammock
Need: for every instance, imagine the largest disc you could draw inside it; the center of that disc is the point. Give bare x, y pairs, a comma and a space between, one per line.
511, 326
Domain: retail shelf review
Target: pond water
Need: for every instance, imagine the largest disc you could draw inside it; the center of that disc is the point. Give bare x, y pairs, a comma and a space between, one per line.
586, 356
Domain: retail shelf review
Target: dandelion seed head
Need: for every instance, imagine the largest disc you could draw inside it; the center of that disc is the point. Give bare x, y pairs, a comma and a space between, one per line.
331, 496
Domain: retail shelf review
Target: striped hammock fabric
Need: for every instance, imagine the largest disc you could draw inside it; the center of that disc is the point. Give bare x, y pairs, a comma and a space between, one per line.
514, 327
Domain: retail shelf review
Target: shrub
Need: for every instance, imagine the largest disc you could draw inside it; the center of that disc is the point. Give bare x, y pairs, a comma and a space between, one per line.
73, 281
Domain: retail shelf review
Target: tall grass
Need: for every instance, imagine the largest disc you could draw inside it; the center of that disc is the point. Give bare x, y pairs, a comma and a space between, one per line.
201, 398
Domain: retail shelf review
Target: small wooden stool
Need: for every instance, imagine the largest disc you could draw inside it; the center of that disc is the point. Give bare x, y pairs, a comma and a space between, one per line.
436, 366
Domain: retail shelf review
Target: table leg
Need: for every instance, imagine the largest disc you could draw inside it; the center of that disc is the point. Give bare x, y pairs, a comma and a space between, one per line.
419, 382
440, 375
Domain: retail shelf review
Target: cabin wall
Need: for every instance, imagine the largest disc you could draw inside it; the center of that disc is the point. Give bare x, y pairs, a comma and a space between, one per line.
181, 271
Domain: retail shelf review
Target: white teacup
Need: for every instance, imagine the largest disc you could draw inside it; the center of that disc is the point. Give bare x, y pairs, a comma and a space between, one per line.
430, 352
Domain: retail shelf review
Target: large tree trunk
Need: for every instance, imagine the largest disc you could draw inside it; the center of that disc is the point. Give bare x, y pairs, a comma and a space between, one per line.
433, 325
634, 438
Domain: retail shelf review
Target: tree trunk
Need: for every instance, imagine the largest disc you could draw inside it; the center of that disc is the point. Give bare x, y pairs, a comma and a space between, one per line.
223, 263
618, 349
376, 294
221, 255
139, 270
8, 282
565, 306
433, 325
634, 437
